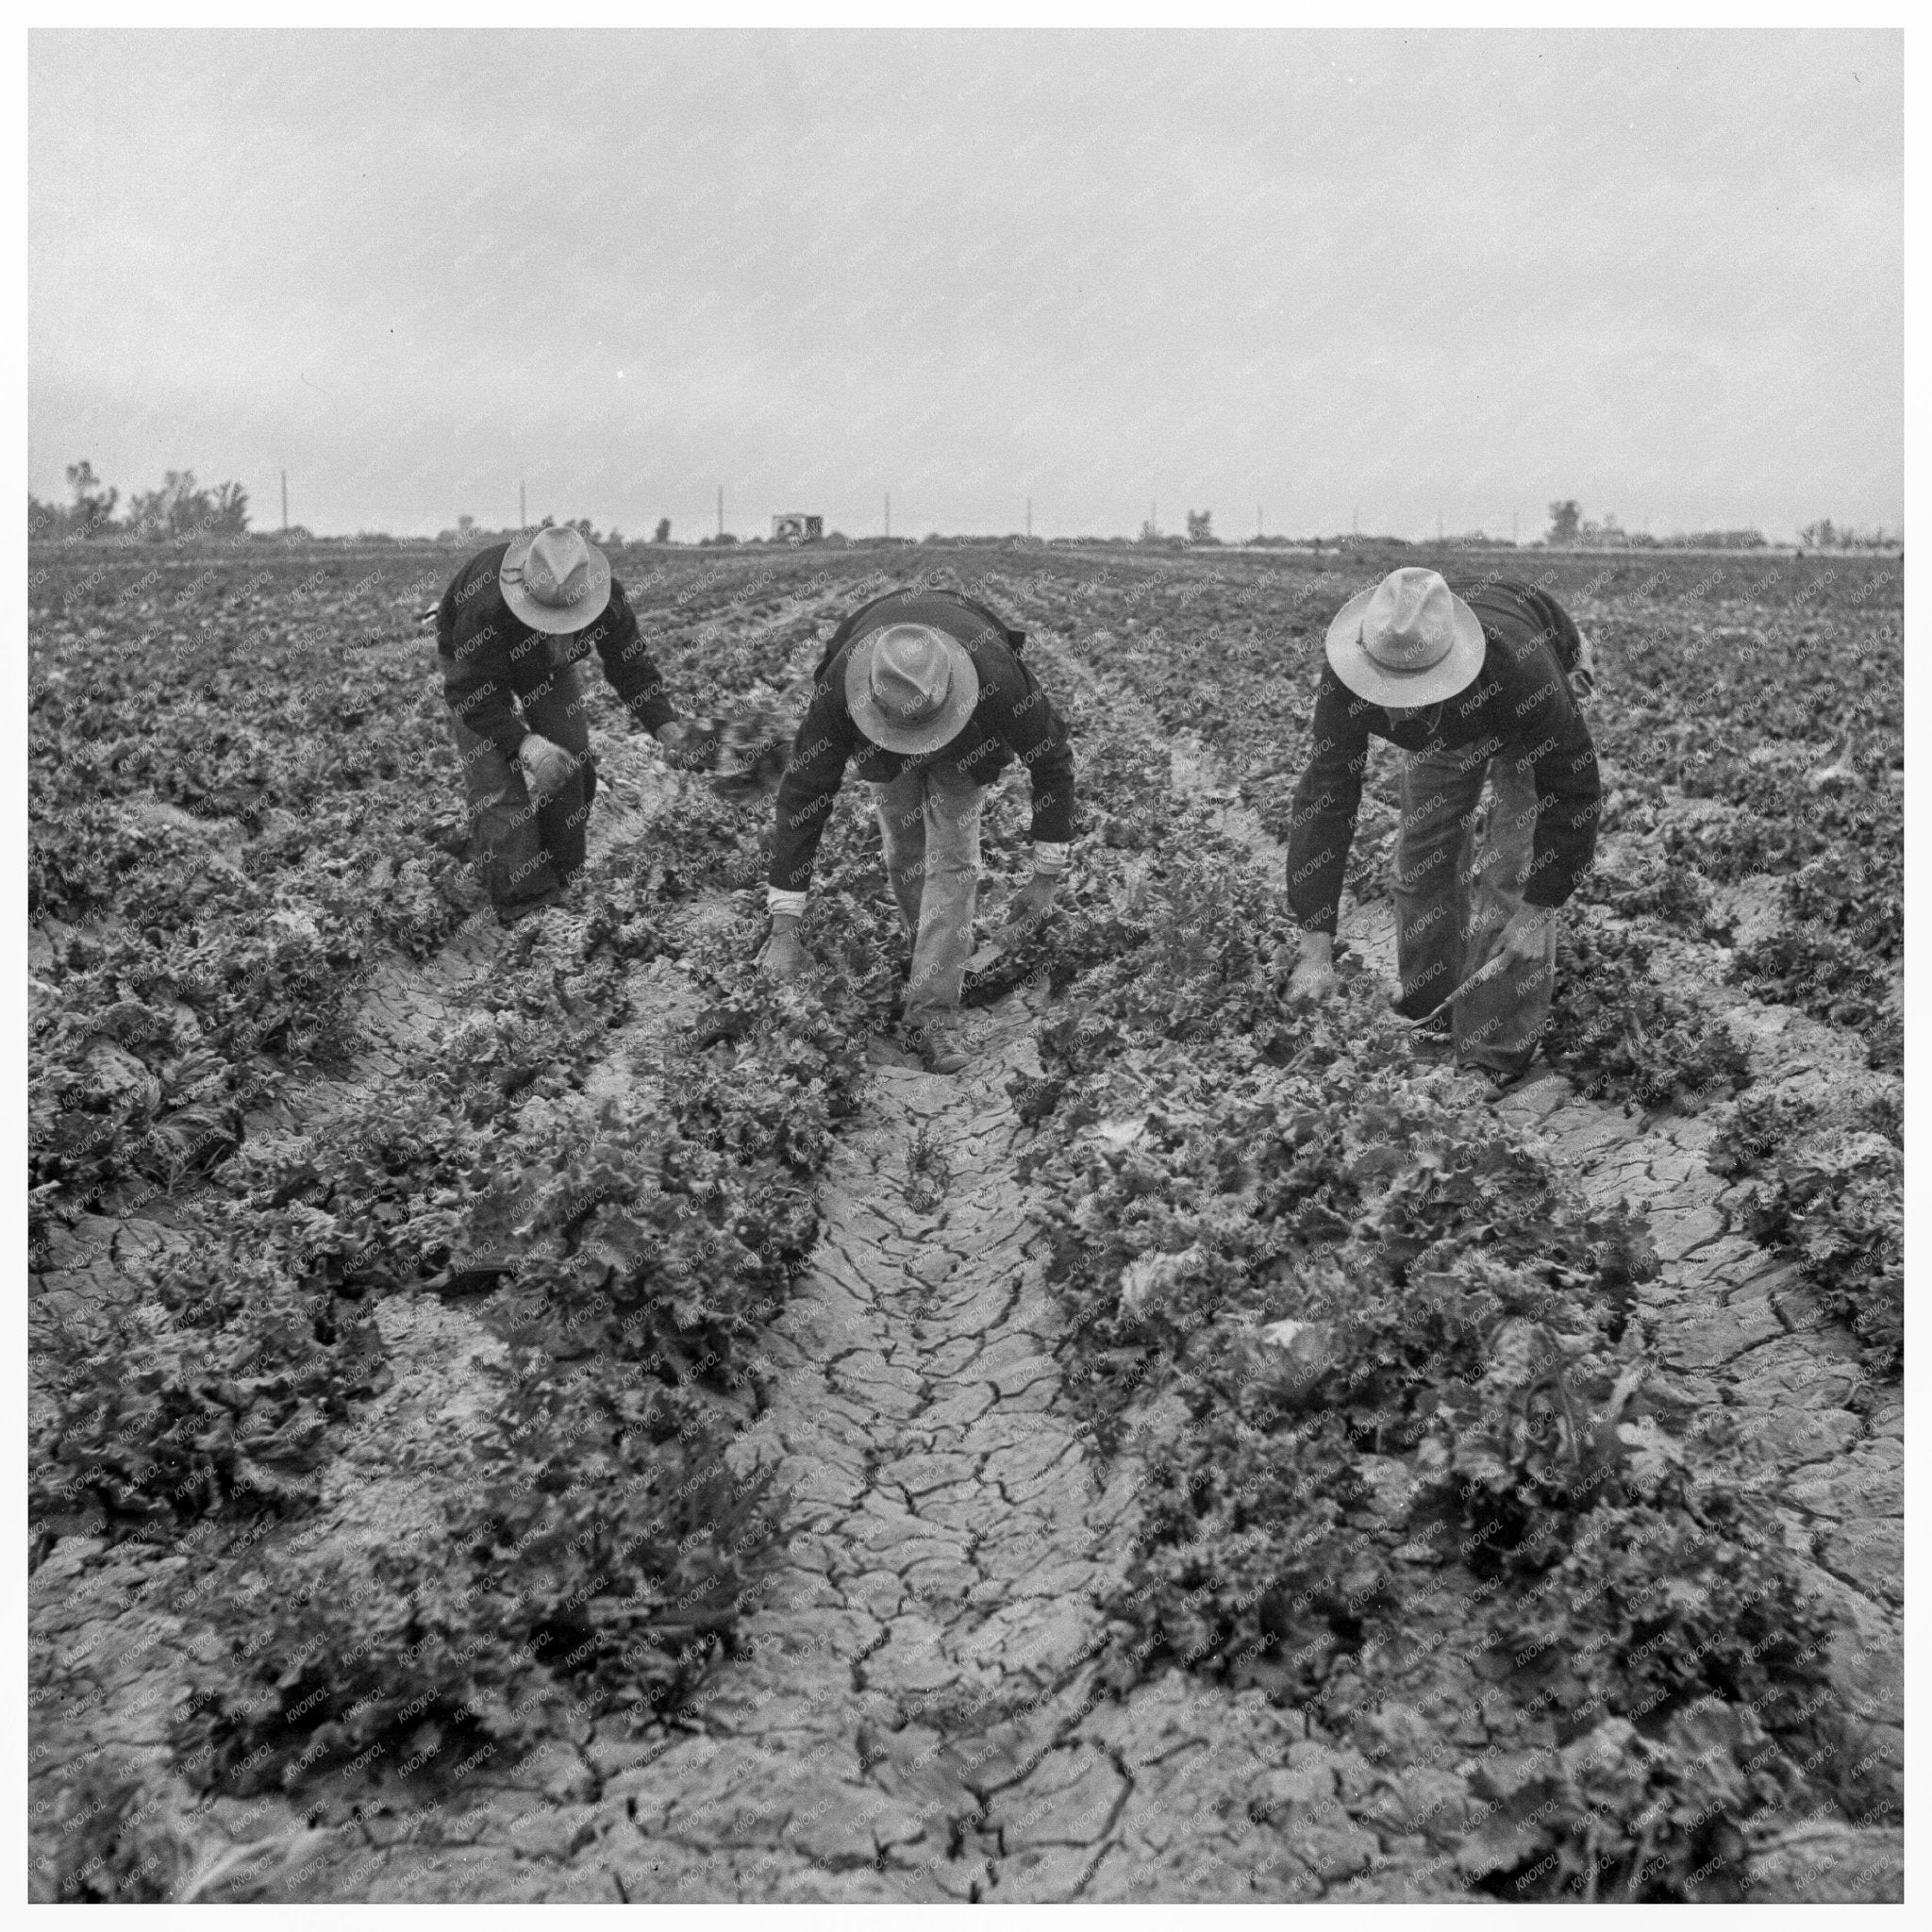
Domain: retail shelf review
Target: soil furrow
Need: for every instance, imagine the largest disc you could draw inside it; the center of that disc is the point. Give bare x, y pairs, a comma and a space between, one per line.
918, 1706
1715, 1315
912, 1714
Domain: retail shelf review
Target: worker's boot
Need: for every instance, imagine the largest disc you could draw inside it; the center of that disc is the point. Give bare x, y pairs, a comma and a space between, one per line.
939, 1043
518, 911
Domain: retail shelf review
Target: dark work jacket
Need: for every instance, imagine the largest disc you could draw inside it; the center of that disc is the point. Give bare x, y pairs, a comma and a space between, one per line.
1518, 704
1012, 719
490, 655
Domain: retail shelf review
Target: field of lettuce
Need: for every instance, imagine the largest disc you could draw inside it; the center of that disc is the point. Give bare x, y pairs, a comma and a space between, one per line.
543, 1415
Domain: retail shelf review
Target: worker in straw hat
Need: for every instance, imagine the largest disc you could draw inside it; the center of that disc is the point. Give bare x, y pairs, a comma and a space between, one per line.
1476, 679
513, 626
923, 693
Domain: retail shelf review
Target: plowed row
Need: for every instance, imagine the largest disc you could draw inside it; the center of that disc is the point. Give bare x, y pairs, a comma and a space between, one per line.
542, 1417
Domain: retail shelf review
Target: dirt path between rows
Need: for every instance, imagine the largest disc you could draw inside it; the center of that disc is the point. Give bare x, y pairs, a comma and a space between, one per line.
918, 1708
916, 1712
920, 1714
1737, 1327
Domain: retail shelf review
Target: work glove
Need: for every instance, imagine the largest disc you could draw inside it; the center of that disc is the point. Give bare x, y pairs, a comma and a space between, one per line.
1583, 678
1313, 979
1030, 906
1523, 940
783, 955
687, 747
547, 767
1310, 963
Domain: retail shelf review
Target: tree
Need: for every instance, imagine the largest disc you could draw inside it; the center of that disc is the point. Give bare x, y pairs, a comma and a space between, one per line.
1564, 518
663, 533
1199, 527
228, 512
93, 508
1819, 536
177, 508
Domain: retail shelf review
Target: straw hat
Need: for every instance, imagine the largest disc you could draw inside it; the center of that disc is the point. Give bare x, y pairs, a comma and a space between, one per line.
910, 687
554, 579
1409, 641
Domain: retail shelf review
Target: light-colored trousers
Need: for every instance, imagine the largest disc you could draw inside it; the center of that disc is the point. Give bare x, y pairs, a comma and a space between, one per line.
929, 826
1453, 893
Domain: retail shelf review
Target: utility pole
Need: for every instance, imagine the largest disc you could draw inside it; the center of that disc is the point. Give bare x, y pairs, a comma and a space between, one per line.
888, 512
1029, 516
522, 509
1257, 522
1154, 517
1438, 526
285, 503
1513, 515
1357, 524
721, 509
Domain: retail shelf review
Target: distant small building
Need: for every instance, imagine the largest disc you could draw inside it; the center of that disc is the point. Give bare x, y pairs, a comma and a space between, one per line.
796, 528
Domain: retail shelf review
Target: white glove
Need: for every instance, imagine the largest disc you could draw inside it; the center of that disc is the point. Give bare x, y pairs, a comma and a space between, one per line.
1583, 680
1313, 975
547, 767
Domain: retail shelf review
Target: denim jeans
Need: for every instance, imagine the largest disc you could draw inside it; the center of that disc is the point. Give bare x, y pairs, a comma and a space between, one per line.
1453, 899
524, 853
929, 826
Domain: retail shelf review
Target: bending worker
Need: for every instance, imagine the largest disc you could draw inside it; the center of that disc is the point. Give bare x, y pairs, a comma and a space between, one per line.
1474, 680
923, 692
512, 627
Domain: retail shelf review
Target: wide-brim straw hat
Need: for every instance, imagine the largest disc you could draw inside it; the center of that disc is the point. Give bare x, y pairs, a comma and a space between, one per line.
554, 579
1407, 641
910, 687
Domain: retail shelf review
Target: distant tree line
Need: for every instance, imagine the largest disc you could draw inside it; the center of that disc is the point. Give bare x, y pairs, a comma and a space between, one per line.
1825, 535
1570, 529
180, 507
471, 535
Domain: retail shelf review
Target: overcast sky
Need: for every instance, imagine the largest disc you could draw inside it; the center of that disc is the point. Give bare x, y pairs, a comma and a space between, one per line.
1406, 274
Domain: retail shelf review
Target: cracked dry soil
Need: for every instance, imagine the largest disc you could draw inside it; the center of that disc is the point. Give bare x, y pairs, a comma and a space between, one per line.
920, 1716
1736, 1326
915, 1711
919, 1708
